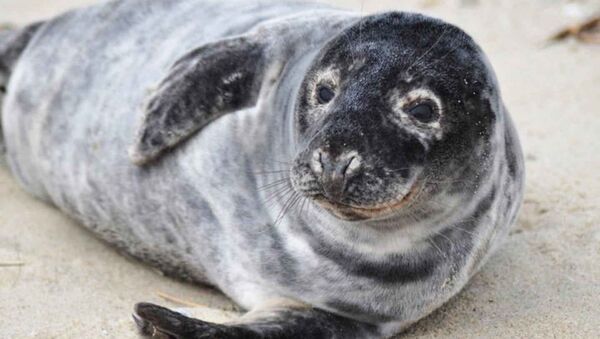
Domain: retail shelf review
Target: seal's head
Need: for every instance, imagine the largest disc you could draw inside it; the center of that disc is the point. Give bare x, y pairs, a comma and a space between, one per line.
393, 103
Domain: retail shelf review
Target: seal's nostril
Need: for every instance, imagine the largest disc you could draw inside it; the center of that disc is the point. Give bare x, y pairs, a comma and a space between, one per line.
334, 172
316, 162
353, 166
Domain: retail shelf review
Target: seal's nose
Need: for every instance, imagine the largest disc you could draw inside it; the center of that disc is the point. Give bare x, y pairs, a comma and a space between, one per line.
334, 172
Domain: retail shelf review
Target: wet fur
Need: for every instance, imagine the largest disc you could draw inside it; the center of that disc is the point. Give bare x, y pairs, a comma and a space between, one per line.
218, 207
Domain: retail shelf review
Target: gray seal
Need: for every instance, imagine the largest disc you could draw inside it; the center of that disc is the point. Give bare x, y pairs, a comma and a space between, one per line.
339, 176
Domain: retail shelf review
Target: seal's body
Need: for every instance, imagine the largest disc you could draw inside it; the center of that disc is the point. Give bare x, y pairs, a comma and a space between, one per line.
365, 167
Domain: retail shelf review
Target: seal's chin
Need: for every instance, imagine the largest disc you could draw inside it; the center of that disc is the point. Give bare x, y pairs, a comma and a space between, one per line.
358, 213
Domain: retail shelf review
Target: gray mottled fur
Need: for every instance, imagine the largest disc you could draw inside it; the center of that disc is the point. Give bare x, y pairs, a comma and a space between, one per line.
74, 104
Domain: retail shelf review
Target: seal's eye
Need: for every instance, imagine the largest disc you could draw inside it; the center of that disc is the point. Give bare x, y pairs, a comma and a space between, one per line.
424, 112
324, 94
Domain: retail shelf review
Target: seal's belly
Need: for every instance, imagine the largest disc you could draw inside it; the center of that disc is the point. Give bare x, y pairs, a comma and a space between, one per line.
170, 214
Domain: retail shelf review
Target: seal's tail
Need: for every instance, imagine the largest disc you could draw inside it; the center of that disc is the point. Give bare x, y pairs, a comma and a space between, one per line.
13, 42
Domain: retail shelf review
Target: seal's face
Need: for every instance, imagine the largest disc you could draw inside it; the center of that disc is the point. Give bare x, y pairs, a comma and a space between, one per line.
393, 101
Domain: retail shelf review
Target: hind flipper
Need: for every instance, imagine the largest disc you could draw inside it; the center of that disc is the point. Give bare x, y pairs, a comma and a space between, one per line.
283, 322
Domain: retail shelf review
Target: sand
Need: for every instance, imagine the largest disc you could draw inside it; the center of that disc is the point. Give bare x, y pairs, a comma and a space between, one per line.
543, 283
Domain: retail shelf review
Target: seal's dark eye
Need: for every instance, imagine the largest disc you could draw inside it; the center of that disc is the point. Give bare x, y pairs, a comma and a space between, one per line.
423, 112
324, 94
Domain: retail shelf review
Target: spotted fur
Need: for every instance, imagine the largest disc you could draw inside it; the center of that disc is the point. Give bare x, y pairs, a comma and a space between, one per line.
349, 206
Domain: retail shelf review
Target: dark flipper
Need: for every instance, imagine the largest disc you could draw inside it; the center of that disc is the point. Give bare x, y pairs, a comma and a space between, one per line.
158, 322
217, 78
208, 82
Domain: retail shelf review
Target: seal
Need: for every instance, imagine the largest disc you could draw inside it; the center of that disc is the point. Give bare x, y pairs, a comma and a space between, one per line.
339, 176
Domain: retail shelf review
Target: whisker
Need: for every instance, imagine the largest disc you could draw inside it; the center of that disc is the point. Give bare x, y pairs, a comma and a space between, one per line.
274, 187
415, 197
350, 43
428, 50
270, 172
287, 197
304, 202
440, 58
282, 191
273, 184
277, 190
432, 243
289, 203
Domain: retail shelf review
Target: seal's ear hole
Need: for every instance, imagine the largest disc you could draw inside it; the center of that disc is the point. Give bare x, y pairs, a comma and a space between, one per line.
324, 94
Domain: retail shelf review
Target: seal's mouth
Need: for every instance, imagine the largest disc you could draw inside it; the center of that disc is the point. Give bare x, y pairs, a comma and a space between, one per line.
356, 213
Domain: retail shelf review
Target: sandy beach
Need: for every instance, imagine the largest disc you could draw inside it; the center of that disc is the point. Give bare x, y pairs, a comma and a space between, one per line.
58, 281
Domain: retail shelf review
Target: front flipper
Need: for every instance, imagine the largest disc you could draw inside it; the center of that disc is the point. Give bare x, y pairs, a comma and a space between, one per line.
206, 83
278, 323
224, 76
